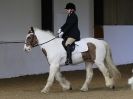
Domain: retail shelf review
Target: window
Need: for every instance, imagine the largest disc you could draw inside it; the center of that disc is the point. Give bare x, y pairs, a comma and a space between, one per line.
113, 12
47, 14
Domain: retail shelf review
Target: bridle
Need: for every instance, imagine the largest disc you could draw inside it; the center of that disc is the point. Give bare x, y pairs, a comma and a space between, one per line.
32, 31
32, 39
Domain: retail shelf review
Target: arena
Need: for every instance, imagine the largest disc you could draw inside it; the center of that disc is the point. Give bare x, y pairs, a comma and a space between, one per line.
23, 75
28, 87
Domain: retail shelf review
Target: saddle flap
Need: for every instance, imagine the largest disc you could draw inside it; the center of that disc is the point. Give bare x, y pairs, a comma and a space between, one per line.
78, 46
81, 46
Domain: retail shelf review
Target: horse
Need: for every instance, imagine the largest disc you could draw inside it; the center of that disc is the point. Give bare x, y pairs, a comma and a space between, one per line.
130, 81
98, 52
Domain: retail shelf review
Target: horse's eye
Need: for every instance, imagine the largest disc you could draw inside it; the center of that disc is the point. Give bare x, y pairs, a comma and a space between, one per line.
29, 38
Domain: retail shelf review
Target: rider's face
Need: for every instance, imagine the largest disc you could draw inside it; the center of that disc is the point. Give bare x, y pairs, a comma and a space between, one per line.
68, 11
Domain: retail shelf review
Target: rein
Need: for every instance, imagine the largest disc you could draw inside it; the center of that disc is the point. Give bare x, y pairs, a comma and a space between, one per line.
46, 41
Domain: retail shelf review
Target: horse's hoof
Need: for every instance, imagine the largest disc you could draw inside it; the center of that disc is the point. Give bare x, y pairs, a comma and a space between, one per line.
66, 89
44, 91
113, 87
84, 89
70, 88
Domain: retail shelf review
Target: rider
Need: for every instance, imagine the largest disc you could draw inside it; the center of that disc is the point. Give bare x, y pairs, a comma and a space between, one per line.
70, 31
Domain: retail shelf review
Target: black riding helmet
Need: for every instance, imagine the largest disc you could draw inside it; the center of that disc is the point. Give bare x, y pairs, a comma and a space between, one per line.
70, 6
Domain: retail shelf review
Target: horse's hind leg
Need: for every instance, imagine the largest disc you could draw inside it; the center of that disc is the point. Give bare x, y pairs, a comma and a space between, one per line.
63, 82
89, 74
108, 79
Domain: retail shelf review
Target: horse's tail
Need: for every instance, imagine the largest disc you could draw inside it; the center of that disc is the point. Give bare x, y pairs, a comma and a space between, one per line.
114, 72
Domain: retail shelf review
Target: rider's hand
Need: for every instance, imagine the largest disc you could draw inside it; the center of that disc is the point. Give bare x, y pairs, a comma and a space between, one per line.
60, 34
59, 31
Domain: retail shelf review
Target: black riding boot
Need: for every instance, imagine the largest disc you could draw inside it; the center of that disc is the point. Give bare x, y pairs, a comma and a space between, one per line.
69, 54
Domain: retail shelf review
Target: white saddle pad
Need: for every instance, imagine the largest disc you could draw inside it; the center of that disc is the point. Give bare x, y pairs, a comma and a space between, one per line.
81, 46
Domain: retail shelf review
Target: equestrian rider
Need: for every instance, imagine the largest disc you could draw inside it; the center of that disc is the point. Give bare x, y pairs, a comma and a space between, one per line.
70, 31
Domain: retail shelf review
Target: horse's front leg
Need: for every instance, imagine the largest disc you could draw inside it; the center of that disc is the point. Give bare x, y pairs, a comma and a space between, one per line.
53, 70
63, 82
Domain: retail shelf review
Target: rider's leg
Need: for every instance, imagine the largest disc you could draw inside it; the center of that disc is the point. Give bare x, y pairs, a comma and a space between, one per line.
69, 41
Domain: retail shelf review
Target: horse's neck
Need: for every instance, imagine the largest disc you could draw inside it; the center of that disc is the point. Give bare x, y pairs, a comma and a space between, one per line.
43, 36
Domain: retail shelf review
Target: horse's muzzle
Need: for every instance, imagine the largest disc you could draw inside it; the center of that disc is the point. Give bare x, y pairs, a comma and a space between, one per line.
27, 48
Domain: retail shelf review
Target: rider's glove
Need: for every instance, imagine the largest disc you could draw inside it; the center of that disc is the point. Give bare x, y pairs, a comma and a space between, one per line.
60, 33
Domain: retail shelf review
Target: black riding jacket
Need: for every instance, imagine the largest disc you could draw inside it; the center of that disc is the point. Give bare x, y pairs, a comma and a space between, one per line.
70, 28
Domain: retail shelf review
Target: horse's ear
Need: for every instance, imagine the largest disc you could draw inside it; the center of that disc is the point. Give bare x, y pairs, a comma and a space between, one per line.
31, 30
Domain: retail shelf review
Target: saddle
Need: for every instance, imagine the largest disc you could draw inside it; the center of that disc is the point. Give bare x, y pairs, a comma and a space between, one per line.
78, 46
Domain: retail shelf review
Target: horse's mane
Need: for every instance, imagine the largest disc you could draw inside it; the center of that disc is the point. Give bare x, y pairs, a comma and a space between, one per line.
43, 35
44, 31
48, 32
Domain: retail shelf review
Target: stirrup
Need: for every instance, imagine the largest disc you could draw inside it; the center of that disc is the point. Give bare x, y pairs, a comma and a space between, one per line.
68, 61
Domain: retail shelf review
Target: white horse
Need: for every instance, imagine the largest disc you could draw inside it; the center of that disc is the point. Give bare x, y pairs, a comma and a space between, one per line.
97, 52
130, 81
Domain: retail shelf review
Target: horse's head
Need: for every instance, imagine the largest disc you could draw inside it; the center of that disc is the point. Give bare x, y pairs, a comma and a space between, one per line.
31, 40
